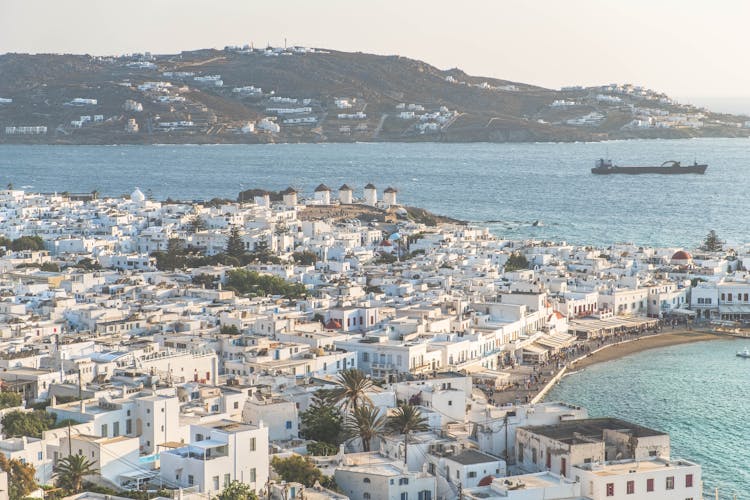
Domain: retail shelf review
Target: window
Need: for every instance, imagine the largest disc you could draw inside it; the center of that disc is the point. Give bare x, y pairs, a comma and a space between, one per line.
40, 454
236, 405
191, 479
216, 482
288, 424
252, 444
649, 485
128, 426
404, 496
670, 482
366, 496
688, 480
366, 480
252, 475
472, 474
104, 430
115, 429
227, 480
610, 489
403, 480
365, 358
533, 455
652, 453
520, 453
199, 437
630, 487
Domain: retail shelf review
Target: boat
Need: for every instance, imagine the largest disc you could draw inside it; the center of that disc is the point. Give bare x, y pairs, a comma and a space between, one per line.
671, 167
744, 353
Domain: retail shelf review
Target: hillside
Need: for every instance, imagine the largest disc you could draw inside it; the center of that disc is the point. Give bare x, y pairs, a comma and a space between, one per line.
241, 95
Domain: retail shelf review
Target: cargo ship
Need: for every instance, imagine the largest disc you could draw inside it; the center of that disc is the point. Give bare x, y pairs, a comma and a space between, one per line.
605, 167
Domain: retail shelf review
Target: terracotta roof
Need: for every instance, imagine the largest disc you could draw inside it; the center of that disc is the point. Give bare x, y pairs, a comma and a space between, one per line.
333, 324
681, 255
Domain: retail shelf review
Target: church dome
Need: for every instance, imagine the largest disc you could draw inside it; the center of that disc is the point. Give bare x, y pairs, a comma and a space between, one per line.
138, 196
681, 255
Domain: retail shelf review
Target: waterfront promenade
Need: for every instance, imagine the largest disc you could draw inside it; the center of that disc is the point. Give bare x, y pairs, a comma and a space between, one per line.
529, 383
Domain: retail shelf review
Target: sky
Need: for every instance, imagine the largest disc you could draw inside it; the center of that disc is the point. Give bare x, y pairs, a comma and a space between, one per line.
694, 50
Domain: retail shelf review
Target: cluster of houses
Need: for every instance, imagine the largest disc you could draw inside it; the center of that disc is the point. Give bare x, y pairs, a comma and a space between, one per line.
426, 121
174, 379
648, 109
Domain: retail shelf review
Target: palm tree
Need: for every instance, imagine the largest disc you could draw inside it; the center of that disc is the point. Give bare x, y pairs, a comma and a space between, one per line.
353, 384
366, 423
71, 470
405, 420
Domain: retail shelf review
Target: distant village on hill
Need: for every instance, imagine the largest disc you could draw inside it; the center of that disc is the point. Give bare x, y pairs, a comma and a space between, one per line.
297, 94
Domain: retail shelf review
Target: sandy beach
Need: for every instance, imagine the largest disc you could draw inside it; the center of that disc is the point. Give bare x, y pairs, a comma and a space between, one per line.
648, 342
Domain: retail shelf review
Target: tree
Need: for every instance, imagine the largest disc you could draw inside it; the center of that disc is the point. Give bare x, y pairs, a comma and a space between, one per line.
88, 264
366, 423
33, 424
204, 280
196, 224
515, 262
321, 449
173, 258
353, 385
298, 469
27, 243
322, 419
229, 330
405, 420
6, 242
21, 480
52, 267
10, 399
71, 470
305, 258
712, 243
235, 245
237, 491
254, 283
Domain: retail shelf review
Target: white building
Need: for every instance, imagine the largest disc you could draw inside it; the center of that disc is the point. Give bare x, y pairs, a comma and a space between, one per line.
346, 195
389, 196
371, 476
371, 195
323, 194
217, 454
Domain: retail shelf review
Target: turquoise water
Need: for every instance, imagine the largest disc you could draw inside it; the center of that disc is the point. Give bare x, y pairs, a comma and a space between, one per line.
699, 393
515, 184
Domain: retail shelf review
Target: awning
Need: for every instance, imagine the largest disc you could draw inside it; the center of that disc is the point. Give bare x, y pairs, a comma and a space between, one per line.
682, 312
139, 474
208, 443
724, 309
535, 349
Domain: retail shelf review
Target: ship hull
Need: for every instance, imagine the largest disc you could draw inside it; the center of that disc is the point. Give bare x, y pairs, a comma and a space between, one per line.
670, 170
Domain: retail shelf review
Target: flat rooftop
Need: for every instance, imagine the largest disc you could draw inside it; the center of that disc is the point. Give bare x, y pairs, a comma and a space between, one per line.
472, 457
591, 429
632, 467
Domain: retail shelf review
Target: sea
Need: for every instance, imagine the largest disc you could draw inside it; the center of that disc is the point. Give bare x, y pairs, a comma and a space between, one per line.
533, 190
699, 393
